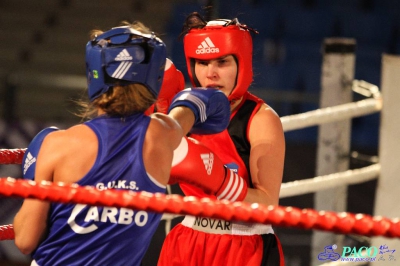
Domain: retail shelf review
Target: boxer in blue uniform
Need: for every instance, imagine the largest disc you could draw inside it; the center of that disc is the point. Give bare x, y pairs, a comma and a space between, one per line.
122, 148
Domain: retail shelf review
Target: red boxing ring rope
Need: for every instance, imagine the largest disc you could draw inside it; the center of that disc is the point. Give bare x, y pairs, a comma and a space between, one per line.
345, 223
7, 232
11, 156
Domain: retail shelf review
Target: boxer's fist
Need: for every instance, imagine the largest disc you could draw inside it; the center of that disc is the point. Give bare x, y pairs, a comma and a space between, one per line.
210, 107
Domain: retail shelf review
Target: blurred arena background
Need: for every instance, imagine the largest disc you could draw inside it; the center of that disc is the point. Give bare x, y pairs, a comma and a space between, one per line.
42, 70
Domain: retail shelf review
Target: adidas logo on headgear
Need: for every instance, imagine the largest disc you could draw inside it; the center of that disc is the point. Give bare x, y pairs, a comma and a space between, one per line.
207, 47
123, 67
123, 56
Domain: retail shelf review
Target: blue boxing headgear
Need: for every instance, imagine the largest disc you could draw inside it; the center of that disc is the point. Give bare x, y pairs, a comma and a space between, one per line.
123, 56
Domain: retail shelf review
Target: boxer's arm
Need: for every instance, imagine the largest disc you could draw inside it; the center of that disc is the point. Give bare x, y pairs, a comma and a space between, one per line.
267, 157
184, 117
30, 223
205, 109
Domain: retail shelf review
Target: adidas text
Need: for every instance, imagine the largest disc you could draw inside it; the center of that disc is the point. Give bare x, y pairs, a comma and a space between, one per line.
207, 51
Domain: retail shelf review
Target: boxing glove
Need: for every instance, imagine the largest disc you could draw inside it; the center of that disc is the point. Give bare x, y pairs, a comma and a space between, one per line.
210, 107
195, 164
173, 82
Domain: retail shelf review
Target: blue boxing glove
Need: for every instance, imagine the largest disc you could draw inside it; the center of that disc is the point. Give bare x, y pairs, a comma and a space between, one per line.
31, 153
210, 107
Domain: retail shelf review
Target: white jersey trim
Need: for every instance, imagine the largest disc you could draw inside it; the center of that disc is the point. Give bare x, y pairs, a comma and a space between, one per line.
216, 226
152, 179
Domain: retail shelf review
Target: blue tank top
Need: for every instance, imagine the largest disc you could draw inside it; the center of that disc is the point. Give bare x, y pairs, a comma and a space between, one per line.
93, 235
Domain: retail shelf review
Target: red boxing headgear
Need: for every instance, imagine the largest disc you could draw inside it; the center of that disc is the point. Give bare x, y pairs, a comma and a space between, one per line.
220, 38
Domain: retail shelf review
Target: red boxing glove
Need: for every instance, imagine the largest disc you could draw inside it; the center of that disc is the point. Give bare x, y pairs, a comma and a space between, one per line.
195, 164
173, 83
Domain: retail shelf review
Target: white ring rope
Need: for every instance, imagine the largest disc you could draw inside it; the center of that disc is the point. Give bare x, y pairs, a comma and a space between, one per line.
339, 112
327, 115
331, 114
349, 177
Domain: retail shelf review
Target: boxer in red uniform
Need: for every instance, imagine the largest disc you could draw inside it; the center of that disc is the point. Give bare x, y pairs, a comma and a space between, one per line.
219, 55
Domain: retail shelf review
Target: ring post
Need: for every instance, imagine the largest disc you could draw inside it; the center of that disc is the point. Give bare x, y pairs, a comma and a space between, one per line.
387, 196
333, 138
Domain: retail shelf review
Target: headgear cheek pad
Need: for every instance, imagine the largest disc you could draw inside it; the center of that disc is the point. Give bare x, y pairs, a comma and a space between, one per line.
123, 56
214, 41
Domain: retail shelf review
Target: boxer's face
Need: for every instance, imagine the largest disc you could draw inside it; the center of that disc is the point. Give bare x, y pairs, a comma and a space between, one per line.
218, 73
